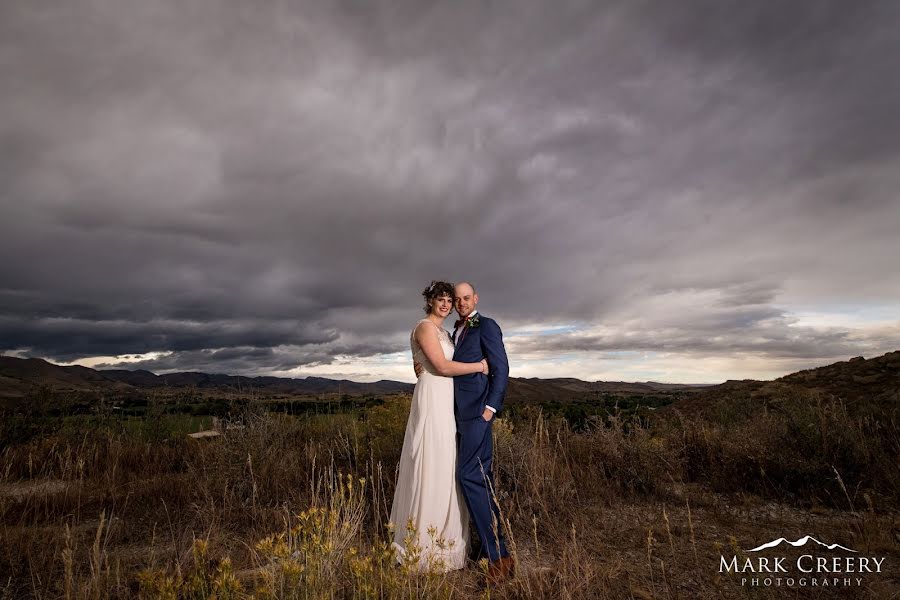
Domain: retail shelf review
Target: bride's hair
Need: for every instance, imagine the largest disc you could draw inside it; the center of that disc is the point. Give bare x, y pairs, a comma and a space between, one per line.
436, 290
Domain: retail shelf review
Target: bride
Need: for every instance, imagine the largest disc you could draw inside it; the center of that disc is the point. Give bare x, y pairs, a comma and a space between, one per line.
428, 497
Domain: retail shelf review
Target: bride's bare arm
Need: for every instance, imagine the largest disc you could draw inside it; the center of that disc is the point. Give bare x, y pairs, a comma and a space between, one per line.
427, 337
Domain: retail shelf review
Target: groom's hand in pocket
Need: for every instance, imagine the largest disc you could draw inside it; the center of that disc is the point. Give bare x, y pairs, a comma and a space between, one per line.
487, 415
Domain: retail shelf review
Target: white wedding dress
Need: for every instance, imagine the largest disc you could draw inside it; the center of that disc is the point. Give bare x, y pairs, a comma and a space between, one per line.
427, 489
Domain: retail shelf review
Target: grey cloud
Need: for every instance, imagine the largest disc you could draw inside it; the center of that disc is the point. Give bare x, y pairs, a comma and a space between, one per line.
227, 361
68, 339
220, 176
253, 360
745, 334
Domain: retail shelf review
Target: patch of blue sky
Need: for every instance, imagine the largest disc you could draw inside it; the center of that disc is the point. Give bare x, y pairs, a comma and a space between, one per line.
869, 308
386, 359
561, 329
555, 359
846, 314
626, 354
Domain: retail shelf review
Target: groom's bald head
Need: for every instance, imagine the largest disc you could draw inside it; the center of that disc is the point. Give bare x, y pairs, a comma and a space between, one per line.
464, 298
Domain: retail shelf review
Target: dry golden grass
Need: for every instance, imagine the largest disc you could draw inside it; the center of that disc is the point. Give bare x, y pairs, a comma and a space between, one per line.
297, 508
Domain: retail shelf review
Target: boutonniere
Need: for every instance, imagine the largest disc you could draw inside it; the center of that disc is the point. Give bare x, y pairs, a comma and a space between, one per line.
473, 321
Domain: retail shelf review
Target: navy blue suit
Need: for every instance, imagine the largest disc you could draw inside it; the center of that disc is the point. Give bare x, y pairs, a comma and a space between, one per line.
475, 449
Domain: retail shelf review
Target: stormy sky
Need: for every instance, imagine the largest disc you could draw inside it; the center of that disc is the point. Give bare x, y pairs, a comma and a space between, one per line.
674, 191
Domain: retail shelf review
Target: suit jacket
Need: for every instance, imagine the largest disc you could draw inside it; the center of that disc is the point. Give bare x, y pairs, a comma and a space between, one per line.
473, 392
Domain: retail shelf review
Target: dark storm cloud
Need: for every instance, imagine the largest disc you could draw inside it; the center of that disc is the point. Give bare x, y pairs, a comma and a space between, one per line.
68, 339
280, 180
247, 360
226, 361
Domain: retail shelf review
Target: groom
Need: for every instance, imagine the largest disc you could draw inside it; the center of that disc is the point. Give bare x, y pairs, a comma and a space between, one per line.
477, 397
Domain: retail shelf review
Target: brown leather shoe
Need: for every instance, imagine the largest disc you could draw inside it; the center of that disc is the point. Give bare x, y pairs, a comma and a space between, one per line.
501, 569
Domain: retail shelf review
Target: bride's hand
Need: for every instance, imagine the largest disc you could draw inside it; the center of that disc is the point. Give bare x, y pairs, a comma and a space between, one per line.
484, 366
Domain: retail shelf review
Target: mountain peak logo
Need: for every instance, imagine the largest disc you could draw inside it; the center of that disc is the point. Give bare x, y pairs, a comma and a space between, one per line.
799, 542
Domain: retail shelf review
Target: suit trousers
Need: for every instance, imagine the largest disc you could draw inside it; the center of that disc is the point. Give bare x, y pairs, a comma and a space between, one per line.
473, 469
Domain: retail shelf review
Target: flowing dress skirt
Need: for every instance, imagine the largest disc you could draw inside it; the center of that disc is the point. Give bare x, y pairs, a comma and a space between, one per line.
428, 495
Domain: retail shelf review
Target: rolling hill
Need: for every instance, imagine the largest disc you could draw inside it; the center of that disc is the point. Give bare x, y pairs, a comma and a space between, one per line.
858, 381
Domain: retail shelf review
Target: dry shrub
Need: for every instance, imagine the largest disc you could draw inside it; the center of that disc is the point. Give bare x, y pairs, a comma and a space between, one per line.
552, 471
791, 448
627, 457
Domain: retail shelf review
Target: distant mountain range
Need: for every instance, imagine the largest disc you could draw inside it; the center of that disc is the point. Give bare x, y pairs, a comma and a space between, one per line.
19, 375
856, 380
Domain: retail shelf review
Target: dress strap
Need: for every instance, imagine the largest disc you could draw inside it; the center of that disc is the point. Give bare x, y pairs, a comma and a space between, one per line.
439, 330
427, 321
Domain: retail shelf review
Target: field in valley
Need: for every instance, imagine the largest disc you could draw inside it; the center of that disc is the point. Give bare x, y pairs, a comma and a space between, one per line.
636, 501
